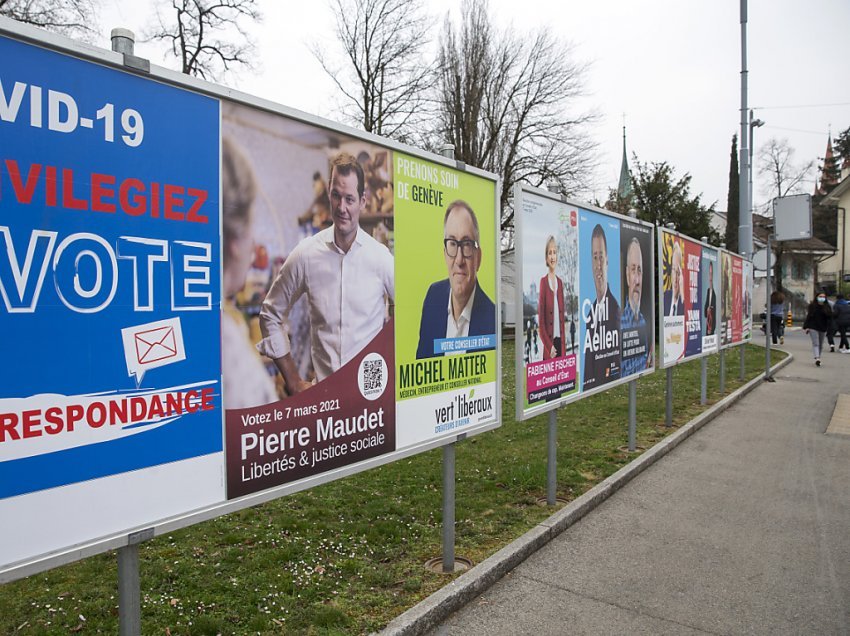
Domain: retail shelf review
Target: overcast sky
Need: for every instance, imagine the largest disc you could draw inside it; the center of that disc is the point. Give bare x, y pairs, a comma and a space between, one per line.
672, 67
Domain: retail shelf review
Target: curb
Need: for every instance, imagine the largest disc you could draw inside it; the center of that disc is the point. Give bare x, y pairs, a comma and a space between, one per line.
428, 613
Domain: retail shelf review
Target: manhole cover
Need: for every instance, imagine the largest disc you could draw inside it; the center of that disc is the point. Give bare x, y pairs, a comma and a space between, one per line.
436, 564
797, 378
542, 501
625, 449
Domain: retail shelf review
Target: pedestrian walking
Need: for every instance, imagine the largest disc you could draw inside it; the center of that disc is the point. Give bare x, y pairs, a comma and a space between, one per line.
818, 317
842, 321
777, 317
832, 328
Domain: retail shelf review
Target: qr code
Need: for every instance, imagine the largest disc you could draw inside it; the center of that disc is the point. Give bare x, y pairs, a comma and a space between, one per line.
373, 375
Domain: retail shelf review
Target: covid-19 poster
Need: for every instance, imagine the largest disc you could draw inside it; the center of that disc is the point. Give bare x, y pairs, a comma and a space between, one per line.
110, 392
585, 298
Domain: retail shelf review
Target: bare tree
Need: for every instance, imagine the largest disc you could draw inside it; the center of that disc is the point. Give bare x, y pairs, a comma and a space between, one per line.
76, 18
196, 31
385, 75
505, 103
776, 166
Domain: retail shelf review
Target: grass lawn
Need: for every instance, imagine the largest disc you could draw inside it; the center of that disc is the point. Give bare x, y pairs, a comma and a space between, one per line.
347, 557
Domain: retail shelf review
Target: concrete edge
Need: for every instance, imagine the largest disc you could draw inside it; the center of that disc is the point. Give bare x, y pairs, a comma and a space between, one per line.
452, 597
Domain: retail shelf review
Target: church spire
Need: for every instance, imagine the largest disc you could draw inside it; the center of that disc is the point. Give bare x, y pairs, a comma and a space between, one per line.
830, 172
624, 189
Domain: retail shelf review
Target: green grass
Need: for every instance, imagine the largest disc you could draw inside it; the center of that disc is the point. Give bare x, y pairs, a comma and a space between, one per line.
347, 557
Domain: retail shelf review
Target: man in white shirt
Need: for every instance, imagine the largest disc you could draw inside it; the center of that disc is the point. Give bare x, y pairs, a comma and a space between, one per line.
347, 276
457, 307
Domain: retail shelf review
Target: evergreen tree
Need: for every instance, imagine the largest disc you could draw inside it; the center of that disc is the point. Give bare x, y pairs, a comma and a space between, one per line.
661, 198
842, 145
733, 205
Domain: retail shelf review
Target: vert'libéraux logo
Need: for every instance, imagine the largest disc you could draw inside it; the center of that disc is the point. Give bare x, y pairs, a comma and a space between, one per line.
461, 410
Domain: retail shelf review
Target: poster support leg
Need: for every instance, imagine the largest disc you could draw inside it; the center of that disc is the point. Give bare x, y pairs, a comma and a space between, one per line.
703, 380
632, 416
742, 374
129, 595
768, 336
449, 507
552, 459
722, 371
668, 420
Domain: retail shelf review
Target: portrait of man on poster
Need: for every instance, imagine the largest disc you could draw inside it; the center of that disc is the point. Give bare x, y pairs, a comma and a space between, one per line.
347, 277
632, 322
674, 298
457, 307
710, 310
602, 335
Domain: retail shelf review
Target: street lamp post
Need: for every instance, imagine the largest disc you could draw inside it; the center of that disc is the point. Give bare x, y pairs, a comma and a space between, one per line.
757, 123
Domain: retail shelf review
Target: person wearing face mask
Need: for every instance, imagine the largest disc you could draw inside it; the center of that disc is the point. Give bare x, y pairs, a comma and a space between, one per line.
818, 317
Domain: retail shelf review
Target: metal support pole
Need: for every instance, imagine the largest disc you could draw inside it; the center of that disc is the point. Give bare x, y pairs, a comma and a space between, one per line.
449, 507
632, 416
703, 380
552, 459
768, 336
668, 421
745, 226
448, 150
722, 371
742, 374
129, 595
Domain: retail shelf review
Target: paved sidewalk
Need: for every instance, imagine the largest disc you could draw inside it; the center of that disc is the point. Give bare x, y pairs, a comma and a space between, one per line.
742, 529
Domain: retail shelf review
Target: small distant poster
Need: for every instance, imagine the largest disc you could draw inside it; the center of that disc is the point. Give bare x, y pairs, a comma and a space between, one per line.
673, 296
710, 286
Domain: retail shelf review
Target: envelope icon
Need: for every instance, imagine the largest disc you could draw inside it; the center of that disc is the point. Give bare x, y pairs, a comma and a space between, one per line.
155, 344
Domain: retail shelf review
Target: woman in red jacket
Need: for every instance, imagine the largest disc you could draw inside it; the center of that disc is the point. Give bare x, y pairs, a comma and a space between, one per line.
550, 313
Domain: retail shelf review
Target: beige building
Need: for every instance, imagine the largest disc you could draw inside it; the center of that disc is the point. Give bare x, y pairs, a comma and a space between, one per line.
836, 269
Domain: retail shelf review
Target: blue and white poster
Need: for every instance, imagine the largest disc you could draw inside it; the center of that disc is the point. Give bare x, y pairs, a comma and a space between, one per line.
109, 291
599, 274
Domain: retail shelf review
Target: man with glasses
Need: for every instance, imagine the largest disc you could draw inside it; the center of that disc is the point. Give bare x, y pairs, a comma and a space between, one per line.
347, 277
457, 307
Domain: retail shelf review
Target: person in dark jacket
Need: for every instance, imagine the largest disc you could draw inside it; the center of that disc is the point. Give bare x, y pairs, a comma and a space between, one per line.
841, 310
818, 317
777, 317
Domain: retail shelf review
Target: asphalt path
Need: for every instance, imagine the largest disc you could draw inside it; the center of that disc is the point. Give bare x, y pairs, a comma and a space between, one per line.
742, 529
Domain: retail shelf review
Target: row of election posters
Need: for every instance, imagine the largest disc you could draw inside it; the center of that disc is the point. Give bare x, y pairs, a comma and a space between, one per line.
586, 300
704, 298
212, 300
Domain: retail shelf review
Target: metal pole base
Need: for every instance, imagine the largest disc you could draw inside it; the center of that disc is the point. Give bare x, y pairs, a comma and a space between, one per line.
449, 507
668, 419
552, 459
632, 416
129, 595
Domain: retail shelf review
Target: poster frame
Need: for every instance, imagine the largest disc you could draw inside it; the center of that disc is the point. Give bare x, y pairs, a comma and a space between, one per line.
520, 191
134, 65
